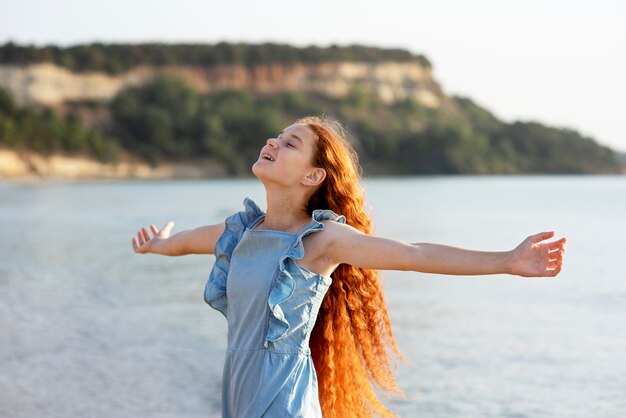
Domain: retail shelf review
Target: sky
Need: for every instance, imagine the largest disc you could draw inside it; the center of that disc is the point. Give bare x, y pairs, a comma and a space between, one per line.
561, 63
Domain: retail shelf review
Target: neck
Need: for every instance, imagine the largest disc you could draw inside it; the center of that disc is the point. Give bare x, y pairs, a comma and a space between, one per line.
286, 210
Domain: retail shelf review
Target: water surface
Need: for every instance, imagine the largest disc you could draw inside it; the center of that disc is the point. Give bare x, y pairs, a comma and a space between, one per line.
91, 329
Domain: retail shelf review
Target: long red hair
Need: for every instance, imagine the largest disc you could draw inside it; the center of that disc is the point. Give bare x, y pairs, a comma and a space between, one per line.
352, 339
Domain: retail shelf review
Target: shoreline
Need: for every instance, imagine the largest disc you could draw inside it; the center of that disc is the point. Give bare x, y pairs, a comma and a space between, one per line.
33, 179
29, 168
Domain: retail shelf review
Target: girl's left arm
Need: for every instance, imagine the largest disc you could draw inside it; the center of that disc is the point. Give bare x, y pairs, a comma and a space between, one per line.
530, 258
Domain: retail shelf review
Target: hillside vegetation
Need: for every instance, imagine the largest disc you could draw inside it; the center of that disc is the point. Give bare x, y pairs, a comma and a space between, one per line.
115, 58
168, 120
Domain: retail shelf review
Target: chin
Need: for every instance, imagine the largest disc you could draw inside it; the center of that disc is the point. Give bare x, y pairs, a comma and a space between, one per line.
268, 176
255, 169
260, 172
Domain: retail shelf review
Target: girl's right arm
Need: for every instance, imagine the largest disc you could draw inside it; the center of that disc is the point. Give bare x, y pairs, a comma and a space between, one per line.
200, 240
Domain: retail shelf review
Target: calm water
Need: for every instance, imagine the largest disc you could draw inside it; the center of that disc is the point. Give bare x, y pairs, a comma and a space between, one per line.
90, 329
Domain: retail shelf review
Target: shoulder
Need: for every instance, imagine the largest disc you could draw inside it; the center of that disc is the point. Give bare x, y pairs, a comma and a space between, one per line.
327, 231
320, 246
238, 221
236, 224
251, 213
337, 243
335, 227
337, 232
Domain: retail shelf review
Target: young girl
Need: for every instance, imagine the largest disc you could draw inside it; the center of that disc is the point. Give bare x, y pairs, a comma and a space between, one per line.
298, 283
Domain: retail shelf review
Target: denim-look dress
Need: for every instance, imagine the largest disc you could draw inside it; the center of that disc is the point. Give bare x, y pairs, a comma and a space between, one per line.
270, 304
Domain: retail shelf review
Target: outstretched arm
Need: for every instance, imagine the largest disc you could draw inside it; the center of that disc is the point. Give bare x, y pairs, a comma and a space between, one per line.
529, 259
200, 240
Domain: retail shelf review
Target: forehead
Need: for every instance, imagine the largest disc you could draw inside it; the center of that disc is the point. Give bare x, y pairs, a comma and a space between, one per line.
301, 131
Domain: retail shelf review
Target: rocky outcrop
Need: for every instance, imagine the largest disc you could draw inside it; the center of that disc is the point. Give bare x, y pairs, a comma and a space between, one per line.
32, 166
52, 85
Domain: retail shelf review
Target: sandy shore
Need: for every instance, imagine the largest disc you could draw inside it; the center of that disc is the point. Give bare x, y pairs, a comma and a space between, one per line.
32, 167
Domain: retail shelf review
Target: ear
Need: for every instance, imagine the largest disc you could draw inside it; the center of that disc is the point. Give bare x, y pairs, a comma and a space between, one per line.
315, 177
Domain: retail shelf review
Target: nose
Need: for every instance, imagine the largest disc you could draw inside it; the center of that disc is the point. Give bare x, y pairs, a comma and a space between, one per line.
272, 143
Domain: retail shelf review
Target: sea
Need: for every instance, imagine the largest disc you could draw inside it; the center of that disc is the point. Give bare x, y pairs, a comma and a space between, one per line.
88, 328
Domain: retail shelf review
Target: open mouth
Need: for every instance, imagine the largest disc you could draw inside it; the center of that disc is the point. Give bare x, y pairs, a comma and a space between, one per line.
267, 157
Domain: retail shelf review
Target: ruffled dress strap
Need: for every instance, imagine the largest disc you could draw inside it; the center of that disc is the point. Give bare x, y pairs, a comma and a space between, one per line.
283, 286
235, 225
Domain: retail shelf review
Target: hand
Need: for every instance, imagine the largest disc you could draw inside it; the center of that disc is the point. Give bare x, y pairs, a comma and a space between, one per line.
146, 243
532, 259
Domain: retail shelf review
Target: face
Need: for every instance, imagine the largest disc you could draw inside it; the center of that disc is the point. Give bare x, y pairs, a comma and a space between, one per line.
286, 159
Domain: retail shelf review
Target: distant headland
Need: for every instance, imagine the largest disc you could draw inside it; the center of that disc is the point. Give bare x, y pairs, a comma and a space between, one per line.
204, 111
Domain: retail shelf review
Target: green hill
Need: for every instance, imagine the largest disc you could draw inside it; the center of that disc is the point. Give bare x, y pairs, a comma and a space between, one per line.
169, 120
115, 58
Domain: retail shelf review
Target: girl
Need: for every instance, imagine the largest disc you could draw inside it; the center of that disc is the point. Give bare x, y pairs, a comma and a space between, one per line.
298, 283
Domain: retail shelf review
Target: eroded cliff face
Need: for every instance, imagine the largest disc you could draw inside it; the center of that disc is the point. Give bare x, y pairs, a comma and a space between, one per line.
52, 85
30, 166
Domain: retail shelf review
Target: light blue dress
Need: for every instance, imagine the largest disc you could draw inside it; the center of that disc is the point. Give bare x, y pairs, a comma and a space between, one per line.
270, 304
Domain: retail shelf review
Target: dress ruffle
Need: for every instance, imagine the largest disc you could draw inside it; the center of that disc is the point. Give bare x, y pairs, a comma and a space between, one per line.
235, 225
282, 287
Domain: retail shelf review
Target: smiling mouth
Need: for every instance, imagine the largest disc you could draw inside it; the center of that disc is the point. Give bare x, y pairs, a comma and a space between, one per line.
267, 157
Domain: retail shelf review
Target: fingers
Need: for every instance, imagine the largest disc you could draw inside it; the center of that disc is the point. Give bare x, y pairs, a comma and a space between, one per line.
168, 227
541, 236
556, 253
137, 242
142, 238
166, 230
554, 267
553, 264
554, 271
557, 257
557, 245
550, 254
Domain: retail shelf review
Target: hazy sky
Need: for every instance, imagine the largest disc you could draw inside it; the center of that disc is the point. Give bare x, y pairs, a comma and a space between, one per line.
562, 63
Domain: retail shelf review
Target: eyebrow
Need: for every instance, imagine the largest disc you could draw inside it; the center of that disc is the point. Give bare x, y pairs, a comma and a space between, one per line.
295, 136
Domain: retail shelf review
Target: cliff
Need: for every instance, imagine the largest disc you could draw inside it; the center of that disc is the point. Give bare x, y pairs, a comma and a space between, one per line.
51, 85
31, 166
199, 110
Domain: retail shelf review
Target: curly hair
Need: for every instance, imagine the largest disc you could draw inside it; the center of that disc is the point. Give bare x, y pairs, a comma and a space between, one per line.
352, 340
